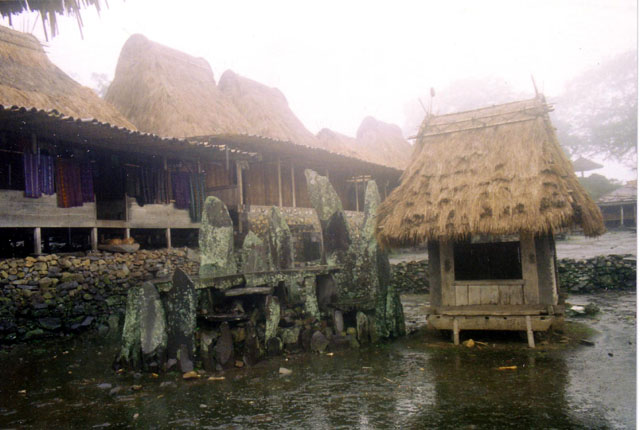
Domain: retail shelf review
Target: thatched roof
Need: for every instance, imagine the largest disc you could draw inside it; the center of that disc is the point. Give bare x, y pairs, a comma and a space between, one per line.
584, 165
265, 109
29, 79
169, 93
375, 141
48, 10
498, 170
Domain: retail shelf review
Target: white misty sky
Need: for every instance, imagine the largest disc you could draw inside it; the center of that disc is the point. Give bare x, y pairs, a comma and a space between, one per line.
338, 61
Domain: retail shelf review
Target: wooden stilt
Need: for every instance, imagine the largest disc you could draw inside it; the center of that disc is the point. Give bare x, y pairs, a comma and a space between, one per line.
456, 332
37, 241
94, 239
127, 233
293, 185
168, 233
279, 183
530, 339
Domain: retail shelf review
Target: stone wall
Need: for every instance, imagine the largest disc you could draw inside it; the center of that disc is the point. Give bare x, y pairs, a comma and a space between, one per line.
611, 272
411, 277
56, 294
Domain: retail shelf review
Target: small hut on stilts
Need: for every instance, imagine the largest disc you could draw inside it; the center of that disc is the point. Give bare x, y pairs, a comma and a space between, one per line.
486, 190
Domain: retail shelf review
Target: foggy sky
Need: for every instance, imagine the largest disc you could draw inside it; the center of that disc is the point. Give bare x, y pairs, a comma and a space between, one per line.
337, 61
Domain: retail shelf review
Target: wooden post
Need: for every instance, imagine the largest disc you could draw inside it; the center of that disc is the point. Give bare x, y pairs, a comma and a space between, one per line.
456, 332
621, 216
94, 239
37, 241
127, 233
530, 338
357, 199
240, 190
447, 273
293, 185
168, 234
279, 183
529, 270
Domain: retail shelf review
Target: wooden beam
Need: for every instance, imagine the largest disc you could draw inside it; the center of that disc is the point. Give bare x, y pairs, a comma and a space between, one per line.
447, 273
278, 166
529, 270
240, 189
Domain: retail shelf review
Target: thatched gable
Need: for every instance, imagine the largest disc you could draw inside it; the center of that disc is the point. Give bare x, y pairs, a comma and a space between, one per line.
375, 141
29, 79
266, 110
169, 93
498, 170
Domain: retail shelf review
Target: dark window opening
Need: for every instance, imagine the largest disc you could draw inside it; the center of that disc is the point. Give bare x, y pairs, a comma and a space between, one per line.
11, 171
476, 261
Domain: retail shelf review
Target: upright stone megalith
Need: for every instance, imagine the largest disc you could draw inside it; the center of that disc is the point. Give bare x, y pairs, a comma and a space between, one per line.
180, 304
256, 258
280, 240
336, 235
216, 240
144, 335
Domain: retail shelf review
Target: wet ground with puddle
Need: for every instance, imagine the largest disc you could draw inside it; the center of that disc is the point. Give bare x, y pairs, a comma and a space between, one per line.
420, 382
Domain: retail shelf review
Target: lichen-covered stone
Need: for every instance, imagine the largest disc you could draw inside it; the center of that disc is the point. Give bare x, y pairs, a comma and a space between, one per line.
272, 317
256, 257
336, 234
310, 297
224, 347
180, 304
319, 342
216, 240
394, 316
280, 240
144, 335
362, 328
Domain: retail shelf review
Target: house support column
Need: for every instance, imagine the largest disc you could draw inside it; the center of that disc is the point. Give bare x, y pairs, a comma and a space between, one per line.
530, 338
279, 183
621, 216
293, 185
127, 233
456, 332
94, 239
37, 241
357, 198
168, 235
240, 195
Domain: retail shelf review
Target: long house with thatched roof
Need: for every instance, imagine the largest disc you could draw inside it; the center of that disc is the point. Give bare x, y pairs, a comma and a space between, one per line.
170, 93
486, 190
79, 170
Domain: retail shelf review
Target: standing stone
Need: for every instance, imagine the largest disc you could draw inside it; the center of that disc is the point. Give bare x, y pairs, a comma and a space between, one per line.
272, 316
319, 342
180, 304
216, 240
252, 350
310, 298
338, 321
207, 353
362, 327
224, 347
336, 235
256, 257
394, 314
290, 336
144, 336
280, 240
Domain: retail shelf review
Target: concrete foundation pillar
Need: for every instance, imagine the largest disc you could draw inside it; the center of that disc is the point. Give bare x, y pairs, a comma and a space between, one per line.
94, 239
168, 233
37, 241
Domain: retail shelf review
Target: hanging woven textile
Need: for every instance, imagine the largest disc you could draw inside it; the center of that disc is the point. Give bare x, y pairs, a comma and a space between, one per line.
46, 169
181, 193
68, 183
197, 196
86, 182
31, 175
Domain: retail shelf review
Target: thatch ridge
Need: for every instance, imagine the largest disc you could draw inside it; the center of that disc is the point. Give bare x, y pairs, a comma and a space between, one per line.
498, 170
29, 79
170, 93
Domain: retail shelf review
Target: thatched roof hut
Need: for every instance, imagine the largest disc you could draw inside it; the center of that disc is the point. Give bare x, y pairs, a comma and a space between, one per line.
495, 171
169, 93
29, 79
